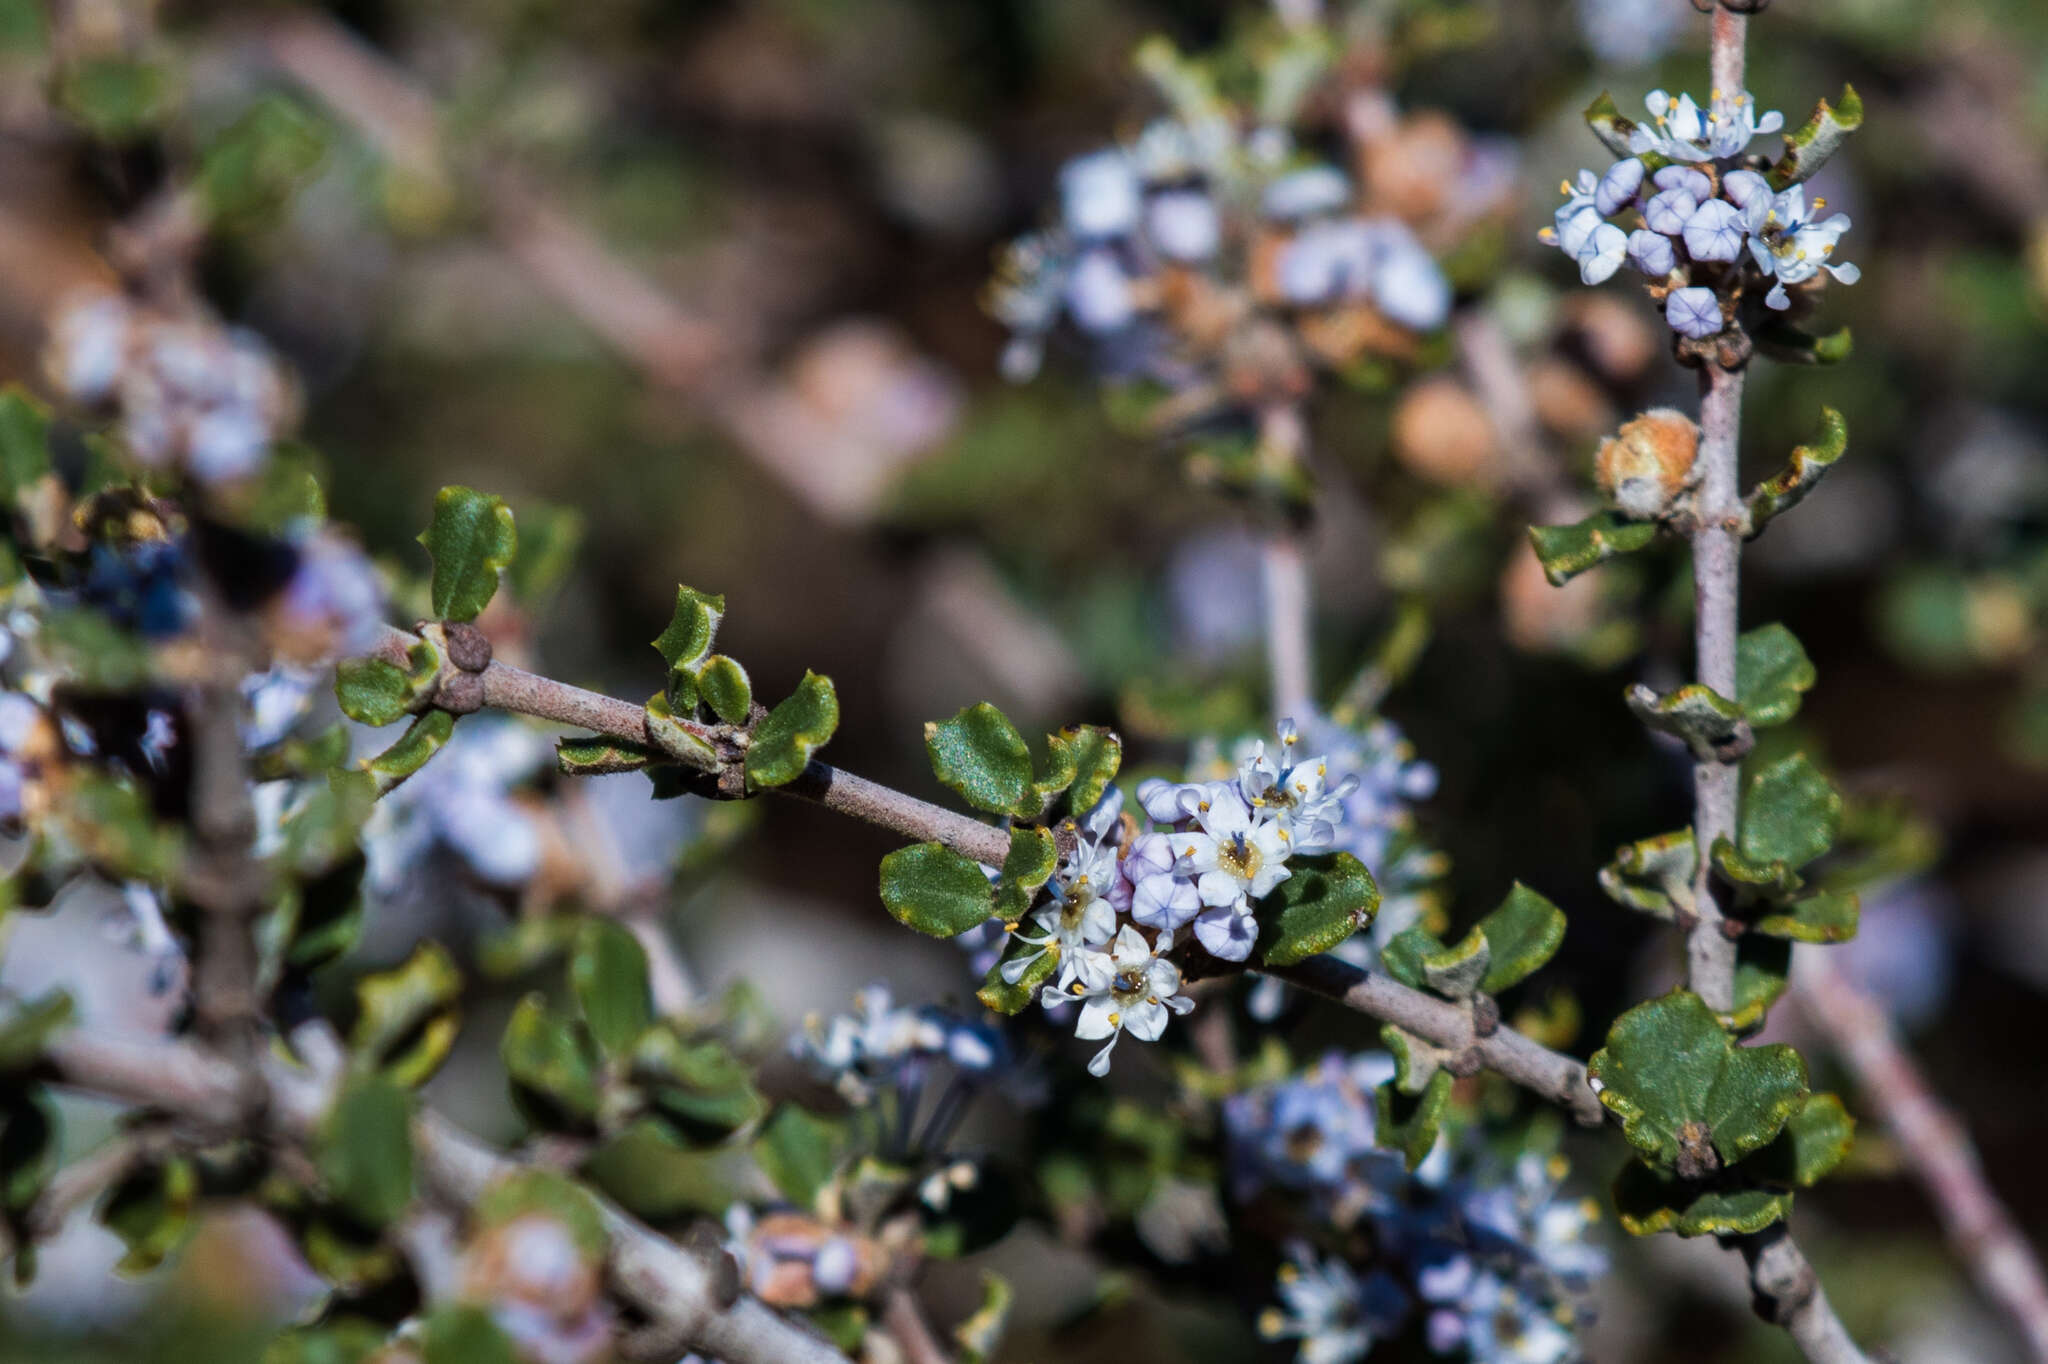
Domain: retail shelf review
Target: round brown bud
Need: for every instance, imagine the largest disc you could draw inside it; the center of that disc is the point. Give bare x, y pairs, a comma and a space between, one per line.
1441, 433
460, 693
1645, 466
468, 647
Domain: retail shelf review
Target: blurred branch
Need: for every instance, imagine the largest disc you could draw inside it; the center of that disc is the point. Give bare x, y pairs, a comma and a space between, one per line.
1283, 562
1935, 1144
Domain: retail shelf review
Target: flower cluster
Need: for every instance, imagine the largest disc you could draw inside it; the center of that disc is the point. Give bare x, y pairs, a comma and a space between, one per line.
188, 391
1707, 224
1495, 1262
882, 1047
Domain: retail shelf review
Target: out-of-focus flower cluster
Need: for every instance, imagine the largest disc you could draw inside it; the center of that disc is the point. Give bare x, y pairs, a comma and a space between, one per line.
1496, 1261
1707, 227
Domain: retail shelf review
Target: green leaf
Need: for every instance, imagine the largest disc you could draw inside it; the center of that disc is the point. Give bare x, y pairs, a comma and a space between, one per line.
599, 756
152, 1210
24, 442
252, 169
1326, 899
700, 1087
723, 685
406, 1019
1772, 674
980, 754
553, 1069
608, 972
375, 692
116, 98
29, 1148
549, 537
1032, 859
1455, 972
1097, 753
691, 630
1763, 967
26, 1025
472, 539
1809, 147
784, 742
1524, 933
1410, 1123
1816, 1139
798, 1153
648, 1171
1706, 720
1567, 551
1014, 997
681, 740
423, 738
1416, 1060
1771, 880
935, 890
982, 1330
1402, 958
461, 1334
1824, 916
345, 1340
1788, 487
1679, 1084
364, 1150
1607, 123
1790, 813
1788, 345
1647, 1201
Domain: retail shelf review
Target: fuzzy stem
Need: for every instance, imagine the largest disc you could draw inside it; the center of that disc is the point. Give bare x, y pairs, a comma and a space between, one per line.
1716, 568
1788, 1294
1728, 50
1283, 563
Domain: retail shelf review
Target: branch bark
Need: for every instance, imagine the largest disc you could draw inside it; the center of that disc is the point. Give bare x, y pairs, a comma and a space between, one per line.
1716, 569
1283, 562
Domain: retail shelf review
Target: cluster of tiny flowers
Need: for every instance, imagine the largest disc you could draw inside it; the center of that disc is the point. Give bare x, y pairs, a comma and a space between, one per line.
1700, 212
542, 1289
881, 1046
468, 803
1495, 1262
1121, 900
1167, 249
188, 392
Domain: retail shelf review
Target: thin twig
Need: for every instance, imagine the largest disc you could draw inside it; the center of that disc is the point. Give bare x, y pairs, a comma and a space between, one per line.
904, 1320
1283, 561
1934, 1143
1716, 568
1788, 1294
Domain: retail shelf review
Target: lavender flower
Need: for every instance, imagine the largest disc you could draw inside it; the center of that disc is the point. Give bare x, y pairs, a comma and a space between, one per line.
1693, 312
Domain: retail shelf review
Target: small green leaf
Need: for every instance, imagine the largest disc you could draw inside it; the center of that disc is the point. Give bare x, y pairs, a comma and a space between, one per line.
784, 742
723, 686
1097, 754
1402, 958
472, 539
1790, 485
700, 1087
1763, 967
980, 754
691, 629
152, 1210
252, 169
1524, 933
1788, 345
1816, 1139
1567, 551
1706, 720
1772, 674
1416, 1061
1771, 880
1824, 916
1647, 1201
1032, 859
423, 738
1809, 147
1455, 972
608, 972
598, 757
1410, 1123
24, 442
982, 1330
406, 1019
935, 890
1679, 1083
343, 1340
364, 1150
799, 1152
1790, 813
117, 98
29, 1148
1014, 997
549, 537
1607, 123
682, 740
553, 1069
1326, 899
26, 1025
376, 692
648, 1171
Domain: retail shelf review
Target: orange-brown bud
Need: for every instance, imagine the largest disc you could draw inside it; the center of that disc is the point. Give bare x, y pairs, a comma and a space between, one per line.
1644, 467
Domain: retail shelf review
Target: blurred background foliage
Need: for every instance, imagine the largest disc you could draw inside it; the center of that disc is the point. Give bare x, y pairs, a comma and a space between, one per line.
708, 274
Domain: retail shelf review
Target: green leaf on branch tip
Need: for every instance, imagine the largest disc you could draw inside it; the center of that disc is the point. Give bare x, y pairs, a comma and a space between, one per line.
472, 539
678, 739
1771, 880
1816, 1139
1604, 117
1096, 753
1706, 720
364, 1150
723, 685
1455, 972
1772, 675
935, 890
549, 537
798, 1153
598, 757
1031, 861
1524, 933
703, 1091
1788, 487
798, 727
1410, 1123
1326, 899
377, 692
608, 973
1808, 147
1680, 1084
1402, 958
1822, 917
691, 630
1567, 551
981, 755
422, 739
24, 442
406, 1017
1790, 813
553, 1068
1647, 1201
26, 1026
152, 1211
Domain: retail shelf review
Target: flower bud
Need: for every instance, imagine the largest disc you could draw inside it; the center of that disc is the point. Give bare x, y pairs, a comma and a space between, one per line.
1644, 467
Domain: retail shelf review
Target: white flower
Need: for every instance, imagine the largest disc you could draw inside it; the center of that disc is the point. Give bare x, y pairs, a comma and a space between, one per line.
1750, 193
1693, 312
89, 344
1167, 802
1681, 130
1087, 889
1131, 988
1099, 195
1651, 252
1668, 211
1714, 232
1306, 193
1794, 247
1234, 857
1407, 286
1294, 792
1099, 293
1183, 225
1617, 188
1323, 1308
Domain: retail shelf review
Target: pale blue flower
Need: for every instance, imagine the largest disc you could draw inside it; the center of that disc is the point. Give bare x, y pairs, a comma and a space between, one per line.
1651, 253
1617, 188
1714, 232
1099, 195
1794, 247
1099, 296
1693, 182
1183, 225
1602, 254
1681, 130
1669, 211
1306, 193
1693, 312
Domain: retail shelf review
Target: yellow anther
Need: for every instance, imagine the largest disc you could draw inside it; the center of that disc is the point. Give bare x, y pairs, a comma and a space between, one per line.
1116, 1020
1564, 187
